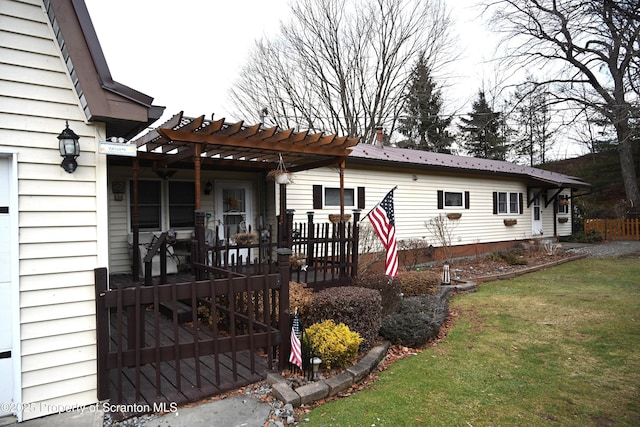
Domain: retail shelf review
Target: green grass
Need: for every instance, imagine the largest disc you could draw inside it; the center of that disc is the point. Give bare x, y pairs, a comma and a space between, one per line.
559, 347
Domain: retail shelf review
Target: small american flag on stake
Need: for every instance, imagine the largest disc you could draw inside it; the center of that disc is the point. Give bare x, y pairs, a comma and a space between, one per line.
383, 220
296, 348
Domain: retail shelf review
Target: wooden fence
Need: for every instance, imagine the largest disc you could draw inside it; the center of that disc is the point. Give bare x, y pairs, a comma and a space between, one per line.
614, 229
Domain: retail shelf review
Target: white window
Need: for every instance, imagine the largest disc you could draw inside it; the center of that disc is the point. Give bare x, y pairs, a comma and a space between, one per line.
507, 203
332, 197
151, 204
452, 199
563, 205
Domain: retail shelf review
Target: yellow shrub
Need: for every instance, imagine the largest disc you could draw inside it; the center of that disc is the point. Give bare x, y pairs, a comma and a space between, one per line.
336, 345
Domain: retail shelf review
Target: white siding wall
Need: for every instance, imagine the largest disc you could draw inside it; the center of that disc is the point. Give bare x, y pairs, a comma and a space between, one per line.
416, 202
59, 221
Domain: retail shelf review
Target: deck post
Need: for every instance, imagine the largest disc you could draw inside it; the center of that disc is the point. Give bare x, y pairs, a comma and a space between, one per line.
284, 320
310, 237
200, 246
355, 249
102, 333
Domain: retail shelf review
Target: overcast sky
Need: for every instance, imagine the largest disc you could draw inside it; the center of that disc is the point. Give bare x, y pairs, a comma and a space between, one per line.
187, 54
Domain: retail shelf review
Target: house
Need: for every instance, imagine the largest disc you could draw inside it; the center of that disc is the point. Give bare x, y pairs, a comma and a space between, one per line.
65, 226
55, 224
488, 204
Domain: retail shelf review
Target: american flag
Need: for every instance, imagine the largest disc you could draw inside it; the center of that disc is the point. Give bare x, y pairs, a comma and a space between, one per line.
383, 220
296, 349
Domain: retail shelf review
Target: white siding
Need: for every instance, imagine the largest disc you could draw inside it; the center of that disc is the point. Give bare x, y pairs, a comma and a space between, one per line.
59, 244
416, 202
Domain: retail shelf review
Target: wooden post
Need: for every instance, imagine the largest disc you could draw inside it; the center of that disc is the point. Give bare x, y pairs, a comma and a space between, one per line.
102, 332
135, 227
356, 243
310, 238
200, 246
197, 150
283, 303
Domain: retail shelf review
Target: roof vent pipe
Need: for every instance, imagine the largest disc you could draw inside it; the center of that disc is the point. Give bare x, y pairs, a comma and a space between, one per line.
379, 136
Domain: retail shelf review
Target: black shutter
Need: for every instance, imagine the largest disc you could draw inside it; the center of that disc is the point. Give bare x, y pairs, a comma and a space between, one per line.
466, 200
440, 199
317, 197
521, 203
495, 202
361, 202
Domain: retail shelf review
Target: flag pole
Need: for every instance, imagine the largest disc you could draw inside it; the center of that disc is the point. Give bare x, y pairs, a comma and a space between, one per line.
379, 202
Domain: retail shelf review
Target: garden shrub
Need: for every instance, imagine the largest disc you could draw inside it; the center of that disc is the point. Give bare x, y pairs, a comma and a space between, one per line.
336, 345
358, 308
512, 257
300, 298
422, 282
418, 319
389, 290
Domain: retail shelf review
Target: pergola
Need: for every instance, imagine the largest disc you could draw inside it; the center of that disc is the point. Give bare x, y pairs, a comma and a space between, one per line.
201, 143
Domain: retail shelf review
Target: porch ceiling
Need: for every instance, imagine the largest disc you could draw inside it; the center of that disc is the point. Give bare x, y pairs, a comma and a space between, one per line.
181, 138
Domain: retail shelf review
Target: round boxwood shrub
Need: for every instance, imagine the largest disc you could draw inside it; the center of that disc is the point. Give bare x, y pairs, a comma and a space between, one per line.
358, 308
422, 282
389, 290
417, 321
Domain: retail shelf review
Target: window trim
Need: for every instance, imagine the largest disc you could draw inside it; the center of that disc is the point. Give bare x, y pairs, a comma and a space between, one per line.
508, 203
442, 198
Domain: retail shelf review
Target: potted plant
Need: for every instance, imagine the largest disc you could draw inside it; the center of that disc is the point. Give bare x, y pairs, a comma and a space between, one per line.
454, 215
510, 222
336, 218
563, 219
280, 174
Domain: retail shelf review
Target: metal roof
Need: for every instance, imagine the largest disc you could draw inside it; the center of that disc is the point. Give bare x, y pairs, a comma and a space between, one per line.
429, 160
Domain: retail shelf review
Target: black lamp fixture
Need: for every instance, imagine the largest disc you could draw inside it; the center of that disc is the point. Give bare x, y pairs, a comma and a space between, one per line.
207, 188
69, 149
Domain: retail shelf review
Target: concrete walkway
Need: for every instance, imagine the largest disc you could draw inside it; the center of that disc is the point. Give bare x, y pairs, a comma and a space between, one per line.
237, 411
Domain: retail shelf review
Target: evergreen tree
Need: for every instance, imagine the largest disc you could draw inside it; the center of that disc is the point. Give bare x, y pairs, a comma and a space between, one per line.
422, 123
533, 121
484, 131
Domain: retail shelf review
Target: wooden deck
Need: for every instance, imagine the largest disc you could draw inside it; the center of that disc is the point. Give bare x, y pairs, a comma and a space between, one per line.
182, 381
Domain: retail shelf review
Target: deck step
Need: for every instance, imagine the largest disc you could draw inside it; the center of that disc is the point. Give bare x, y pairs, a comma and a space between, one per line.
184, 311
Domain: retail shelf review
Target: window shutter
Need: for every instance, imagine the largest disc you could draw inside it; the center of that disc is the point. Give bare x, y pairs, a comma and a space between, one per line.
466, 200
495, 202
521, 203
440, 199
317, 197
361, 202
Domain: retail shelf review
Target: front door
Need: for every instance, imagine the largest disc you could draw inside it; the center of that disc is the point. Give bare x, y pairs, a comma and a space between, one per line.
234, 211
536, 217
6, 315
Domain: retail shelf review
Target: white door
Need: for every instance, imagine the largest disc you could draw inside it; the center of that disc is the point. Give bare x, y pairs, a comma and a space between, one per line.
6, 316
234, 211
536, 217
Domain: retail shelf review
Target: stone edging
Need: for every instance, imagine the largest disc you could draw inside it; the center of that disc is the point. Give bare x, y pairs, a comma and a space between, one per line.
331, 386
513, 274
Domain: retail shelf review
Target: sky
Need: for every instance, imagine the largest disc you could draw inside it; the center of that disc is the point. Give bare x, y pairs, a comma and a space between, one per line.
187, 54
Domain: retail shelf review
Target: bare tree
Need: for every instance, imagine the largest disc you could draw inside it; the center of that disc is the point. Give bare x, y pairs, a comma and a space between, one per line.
592, 44
342, 65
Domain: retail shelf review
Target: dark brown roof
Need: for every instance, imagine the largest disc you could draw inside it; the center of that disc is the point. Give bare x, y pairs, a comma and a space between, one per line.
125, 111
236, 145
429, 160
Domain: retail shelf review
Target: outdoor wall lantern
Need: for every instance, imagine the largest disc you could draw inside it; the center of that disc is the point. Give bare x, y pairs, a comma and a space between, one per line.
446, 274
207, 188
69, 149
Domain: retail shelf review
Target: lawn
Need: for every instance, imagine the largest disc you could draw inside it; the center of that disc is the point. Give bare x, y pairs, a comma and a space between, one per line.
556, 347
